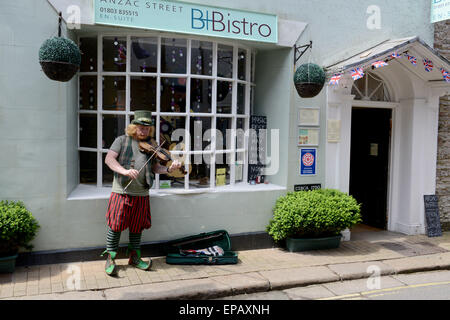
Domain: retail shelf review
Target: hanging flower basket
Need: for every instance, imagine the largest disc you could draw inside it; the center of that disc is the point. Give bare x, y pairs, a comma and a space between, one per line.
309, 80
60, 58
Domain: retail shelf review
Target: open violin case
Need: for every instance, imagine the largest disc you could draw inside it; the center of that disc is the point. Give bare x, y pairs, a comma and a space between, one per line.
204, 248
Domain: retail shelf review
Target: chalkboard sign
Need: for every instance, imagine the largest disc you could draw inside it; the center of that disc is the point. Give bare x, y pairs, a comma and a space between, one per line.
307, 187
432, 216
256, 148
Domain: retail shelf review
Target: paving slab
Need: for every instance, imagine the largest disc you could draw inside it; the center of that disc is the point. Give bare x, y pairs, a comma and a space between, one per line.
420, 263
183, 289
309, 292
362, 285
288, 278
244, 283
72, 295
357, 270
420, 278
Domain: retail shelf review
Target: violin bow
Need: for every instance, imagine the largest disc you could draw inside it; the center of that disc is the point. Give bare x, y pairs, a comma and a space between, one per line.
143, 166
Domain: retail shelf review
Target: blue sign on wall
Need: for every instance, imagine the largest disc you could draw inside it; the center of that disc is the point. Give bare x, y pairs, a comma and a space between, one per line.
308, 161
174, 16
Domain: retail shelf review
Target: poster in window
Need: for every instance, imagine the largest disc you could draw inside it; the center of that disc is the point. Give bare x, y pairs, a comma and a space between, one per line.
308, 117
308, 136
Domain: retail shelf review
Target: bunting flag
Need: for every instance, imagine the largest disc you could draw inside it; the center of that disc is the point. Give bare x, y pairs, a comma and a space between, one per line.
357, 73
412, 59
445, 74
335, 79
428, 64
395, 55
379, 64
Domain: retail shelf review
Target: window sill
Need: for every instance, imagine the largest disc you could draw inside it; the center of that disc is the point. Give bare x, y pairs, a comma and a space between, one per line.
89, 192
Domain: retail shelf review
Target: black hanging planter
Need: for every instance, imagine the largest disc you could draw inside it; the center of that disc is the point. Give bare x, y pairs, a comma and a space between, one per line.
60, 58
309, 80
59, 71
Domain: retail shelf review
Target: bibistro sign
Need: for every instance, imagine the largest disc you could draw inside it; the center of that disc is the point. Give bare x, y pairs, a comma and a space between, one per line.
174, 16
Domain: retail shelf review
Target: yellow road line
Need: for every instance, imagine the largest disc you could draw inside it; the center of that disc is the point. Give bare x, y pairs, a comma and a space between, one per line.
380, 292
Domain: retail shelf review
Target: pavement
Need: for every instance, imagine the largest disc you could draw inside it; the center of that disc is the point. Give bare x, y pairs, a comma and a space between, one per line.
369, 253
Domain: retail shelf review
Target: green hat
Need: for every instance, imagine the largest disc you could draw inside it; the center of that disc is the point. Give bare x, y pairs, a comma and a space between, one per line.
143, 117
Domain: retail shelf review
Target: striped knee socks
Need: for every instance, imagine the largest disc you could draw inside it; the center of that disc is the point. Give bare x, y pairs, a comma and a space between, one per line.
135, 241
112, 240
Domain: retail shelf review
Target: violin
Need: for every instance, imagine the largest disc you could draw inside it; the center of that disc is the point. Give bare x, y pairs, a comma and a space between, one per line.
162, 154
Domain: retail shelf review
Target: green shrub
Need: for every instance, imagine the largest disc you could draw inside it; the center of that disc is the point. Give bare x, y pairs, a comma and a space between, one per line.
60, 50
312, 214
309, 72
17, 227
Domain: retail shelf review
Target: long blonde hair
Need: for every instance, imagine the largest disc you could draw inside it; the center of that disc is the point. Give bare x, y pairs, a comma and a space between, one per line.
131, 131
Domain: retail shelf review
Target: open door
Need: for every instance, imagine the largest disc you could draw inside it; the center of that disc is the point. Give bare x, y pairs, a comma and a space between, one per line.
369, 163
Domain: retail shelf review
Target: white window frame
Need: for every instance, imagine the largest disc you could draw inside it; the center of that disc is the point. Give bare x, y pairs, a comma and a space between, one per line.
249, 90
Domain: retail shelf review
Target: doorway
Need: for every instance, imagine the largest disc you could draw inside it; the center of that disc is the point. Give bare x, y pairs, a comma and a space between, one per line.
369, 163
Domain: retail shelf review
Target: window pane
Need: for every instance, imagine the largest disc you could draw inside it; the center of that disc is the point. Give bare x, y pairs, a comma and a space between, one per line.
173, 55
88, 130
223, 134
241, 99
239, 167
224, 96
201, 93
201, 57
114, 93
107, 174
240, 133
225, 61
200, 131
143, 93
222, 170
89, 57
144, 57
88, 167
252, 71
115, 54
88, 92
252, 93
242, 61
173, 94
113, 126
200, 171
172, 132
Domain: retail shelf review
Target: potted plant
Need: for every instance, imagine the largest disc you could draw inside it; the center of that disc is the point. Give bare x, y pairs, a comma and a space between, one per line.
309, 79
60, 58
310, 220
17, 228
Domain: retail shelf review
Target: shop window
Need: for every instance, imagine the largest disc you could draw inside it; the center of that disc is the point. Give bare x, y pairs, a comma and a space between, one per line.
200, 95
370, 88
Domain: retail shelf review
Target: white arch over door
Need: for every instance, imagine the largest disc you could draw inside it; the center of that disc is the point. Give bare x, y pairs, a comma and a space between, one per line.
413, 146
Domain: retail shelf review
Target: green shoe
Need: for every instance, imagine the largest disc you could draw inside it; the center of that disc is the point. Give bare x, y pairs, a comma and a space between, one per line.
136, 261
110, 266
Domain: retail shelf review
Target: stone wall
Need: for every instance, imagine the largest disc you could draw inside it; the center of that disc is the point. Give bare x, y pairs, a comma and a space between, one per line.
442, 45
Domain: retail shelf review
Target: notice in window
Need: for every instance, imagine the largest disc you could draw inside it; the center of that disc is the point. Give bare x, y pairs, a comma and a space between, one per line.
221, 176
308, 117
308, 136
334, 130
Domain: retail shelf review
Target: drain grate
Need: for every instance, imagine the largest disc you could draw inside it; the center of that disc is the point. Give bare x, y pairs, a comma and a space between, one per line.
394, 246
409, 249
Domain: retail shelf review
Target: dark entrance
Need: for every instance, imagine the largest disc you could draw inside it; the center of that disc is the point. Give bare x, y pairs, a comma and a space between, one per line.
369, 163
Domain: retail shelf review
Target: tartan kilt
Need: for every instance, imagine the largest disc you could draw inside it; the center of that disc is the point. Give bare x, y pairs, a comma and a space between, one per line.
125, 211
